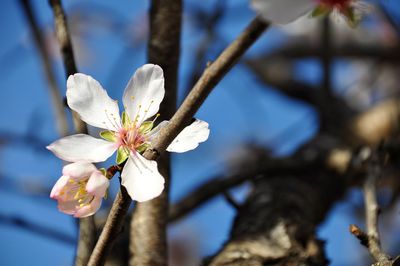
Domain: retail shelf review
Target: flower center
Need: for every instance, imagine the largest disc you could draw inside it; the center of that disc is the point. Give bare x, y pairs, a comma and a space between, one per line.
339, 4
76, 190
131, 138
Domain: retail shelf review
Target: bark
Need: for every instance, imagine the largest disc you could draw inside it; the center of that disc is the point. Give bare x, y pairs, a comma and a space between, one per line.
277, 223
148, 233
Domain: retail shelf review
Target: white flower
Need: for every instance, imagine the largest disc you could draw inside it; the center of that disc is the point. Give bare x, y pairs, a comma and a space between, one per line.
285, 11
130, 135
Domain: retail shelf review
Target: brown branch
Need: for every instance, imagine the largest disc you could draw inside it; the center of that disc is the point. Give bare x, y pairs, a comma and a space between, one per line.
64, 40
39, 229
371, 213
219, 184
326, 46
56, 99
386, 14
211, 76
87, 229
371, 239
208, 21
63, 37
148, 229
347, 50
276, 225
204, 193
112, 227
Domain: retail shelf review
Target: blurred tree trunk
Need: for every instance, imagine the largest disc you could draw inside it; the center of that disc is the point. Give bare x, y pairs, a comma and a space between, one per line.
148, 240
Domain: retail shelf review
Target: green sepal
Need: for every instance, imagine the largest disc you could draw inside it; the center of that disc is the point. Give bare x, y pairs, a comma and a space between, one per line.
352, 18
122, 155
320, 10
142, 148
146, 127
103, 171
106, 194
108, 135
125, 119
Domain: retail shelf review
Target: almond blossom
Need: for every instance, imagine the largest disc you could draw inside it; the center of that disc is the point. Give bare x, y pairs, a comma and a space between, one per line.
285, 11
80, 190
129, 134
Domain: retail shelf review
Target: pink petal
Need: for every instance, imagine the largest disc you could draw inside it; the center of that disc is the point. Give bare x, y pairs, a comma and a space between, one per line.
68, 207
58, 186
90, 209
79, 169
97, 184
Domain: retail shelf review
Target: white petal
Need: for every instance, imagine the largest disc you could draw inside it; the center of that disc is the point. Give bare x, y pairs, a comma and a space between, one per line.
282, 11
190, 137
141, 178
82, 147
79, 169
86, 96
144, 93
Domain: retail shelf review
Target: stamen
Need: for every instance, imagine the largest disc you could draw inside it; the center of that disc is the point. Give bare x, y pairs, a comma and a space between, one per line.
155, 118
112, 120
137, 115
148, 107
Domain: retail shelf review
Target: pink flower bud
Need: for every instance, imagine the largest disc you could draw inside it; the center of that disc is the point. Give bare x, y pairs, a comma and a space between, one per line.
80, 190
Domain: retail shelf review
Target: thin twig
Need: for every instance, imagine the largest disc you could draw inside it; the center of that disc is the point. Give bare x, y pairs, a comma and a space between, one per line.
39, 229
231, 200
210, 78
389, 18
56, 99
204, 193
63, 37
64, 40
87, 229
326, 46
345, 50
372, 211
371, 238
209, 22
219, 184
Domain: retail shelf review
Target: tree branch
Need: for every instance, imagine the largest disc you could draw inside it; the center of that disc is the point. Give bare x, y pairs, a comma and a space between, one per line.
371, 239
63, 37
87, 228
217, 185
56, 99
37, 228
347, 50
148, 230
211, 76
276, 225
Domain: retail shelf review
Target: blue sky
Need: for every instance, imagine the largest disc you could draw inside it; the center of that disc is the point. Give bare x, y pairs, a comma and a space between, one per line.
239, 110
